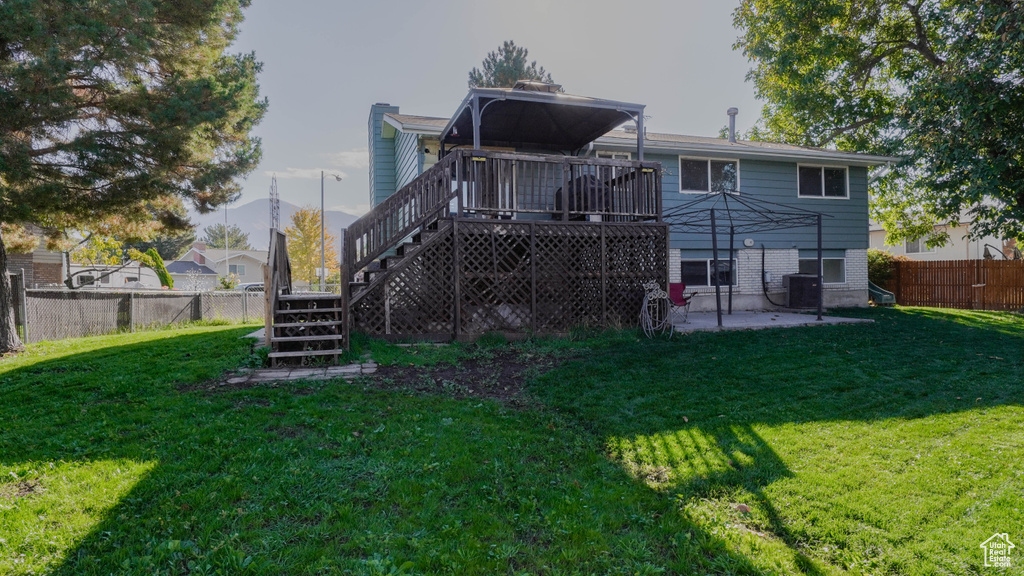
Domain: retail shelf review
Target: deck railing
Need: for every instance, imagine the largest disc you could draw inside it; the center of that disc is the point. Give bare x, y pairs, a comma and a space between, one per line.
400, 214
508, 185
564, 187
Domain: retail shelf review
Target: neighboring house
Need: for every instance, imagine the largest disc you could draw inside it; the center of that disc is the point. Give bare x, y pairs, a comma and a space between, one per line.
41, 267
99, 276
189, 275
834, 183
958, 247
247, 265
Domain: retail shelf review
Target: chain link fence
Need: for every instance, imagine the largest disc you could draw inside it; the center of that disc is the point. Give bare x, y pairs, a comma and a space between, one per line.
58, 314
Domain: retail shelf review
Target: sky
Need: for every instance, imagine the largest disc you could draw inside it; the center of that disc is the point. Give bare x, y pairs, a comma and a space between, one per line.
325, 62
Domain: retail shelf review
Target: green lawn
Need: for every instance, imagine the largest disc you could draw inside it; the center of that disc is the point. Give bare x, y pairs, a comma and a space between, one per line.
885, 448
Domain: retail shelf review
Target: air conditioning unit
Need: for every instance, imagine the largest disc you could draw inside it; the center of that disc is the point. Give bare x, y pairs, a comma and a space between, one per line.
801, 290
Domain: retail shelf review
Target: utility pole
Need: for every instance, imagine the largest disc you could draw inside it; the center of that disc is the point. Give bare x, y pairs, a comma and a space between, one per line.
323, 264
322, 255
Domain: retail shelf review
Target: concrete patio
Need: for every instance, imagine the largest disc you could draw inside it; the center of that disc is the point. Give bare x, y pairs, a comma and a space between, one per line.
745, 320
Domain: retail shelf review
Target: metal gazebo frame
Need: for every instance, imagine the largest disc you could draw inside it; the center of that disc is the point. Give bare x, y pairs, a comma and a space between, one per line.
742, 214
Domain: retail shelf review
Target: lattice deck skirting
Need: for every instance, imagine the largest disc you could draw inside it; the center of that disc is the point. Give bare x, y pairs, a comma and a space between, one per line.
518, 277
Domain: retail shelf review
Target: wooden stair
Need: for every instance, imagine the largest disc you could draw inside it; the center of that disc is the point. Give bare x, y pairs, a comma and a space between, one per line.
307, 329
372, 276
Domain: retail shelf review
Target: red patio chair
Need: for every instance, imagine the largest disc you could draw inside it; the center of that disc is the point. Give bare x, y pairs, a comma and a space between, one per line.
676, 293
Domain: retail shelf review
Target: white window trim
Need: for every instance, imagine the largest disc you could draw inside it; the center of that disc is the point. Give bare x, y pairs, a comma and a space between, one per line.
236, 267
679, 167
708, 262
846, 170
843, 258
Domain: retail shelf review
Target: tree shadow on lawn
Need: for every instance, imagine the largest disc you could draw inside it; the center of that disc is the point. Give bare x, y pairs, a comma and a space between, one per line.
689, 417
131, 474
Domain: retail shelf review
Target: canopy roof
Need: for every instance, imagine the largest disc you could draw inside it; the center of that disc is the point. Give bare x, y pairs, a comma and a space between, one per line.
738, 213
528, 117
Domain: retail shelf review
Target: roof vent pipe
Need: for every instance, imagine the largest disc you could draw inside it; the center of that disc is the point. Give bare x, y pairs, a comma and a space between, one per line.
732, 112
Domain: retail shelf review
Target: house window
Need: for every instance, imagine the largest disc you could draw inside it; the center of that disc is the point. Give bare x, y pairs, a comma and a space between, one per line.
833, 270
699, 272
822, 182
237, 269
86, 280
918, 246
708, 175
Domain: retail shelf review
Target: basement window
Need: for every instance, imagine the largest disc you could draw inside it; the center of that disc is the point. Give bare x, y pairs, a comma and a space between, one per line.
699, 272
833, 270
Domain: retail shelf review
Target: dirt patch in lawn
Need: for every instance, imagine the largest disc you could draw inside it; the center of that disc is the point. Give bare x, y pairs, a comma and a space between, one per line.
20, 489
500, 375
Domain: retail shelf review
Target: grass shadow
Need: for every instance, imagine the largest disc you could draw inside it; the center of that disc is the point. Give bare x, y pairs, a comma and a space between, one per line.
809, 426
144, 476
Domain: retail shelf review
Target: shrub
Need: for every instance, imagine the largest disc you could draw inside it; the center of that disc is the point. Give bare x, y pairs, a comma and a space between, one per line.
882, 266
161, 270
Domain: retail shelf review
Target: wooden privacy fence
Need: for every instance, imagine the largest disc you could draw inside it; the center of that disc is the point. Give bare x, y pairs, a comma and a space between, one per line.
965, 284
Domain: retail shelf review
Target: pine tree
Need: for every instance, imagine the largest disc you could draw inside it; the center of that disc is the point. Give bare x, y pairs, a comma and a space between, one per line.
506, 66
213, 237
112, 113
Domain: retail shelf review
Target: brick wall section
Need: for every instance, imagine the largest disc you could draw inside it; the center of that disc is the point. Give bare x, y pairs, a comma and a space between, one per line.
47, 273
856, 269
778, 263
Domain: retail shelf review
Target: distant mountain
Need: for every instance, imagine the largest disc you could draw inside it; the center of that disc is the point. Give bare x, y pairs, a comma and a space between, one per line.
254, 219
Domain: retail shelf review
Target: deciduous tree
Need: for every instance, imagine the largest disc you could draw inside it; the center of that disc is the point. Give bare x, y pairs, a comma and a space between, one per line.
939, 83
304, 245
505, 66
113, 110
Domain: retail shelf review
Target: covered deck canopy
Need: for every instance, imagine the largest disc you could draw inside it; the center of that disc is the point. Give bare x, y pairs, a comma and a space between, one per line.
729, 212
535, 115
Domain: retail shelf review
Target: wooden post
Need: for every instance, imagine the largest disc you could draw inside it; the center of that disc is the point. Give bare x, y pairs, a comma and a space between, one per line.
456, 274
268, 297
565, 190
533, 276
604, 276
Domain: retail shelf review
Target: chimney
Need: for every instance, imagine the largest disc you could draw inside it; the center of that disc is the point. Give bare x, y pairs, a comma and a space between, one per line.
732, 112
199, 248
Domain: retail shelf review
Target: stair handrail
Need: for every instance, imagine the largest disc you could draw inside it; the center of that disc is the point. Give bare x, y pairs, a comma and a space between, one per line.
277, 276
400, 214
